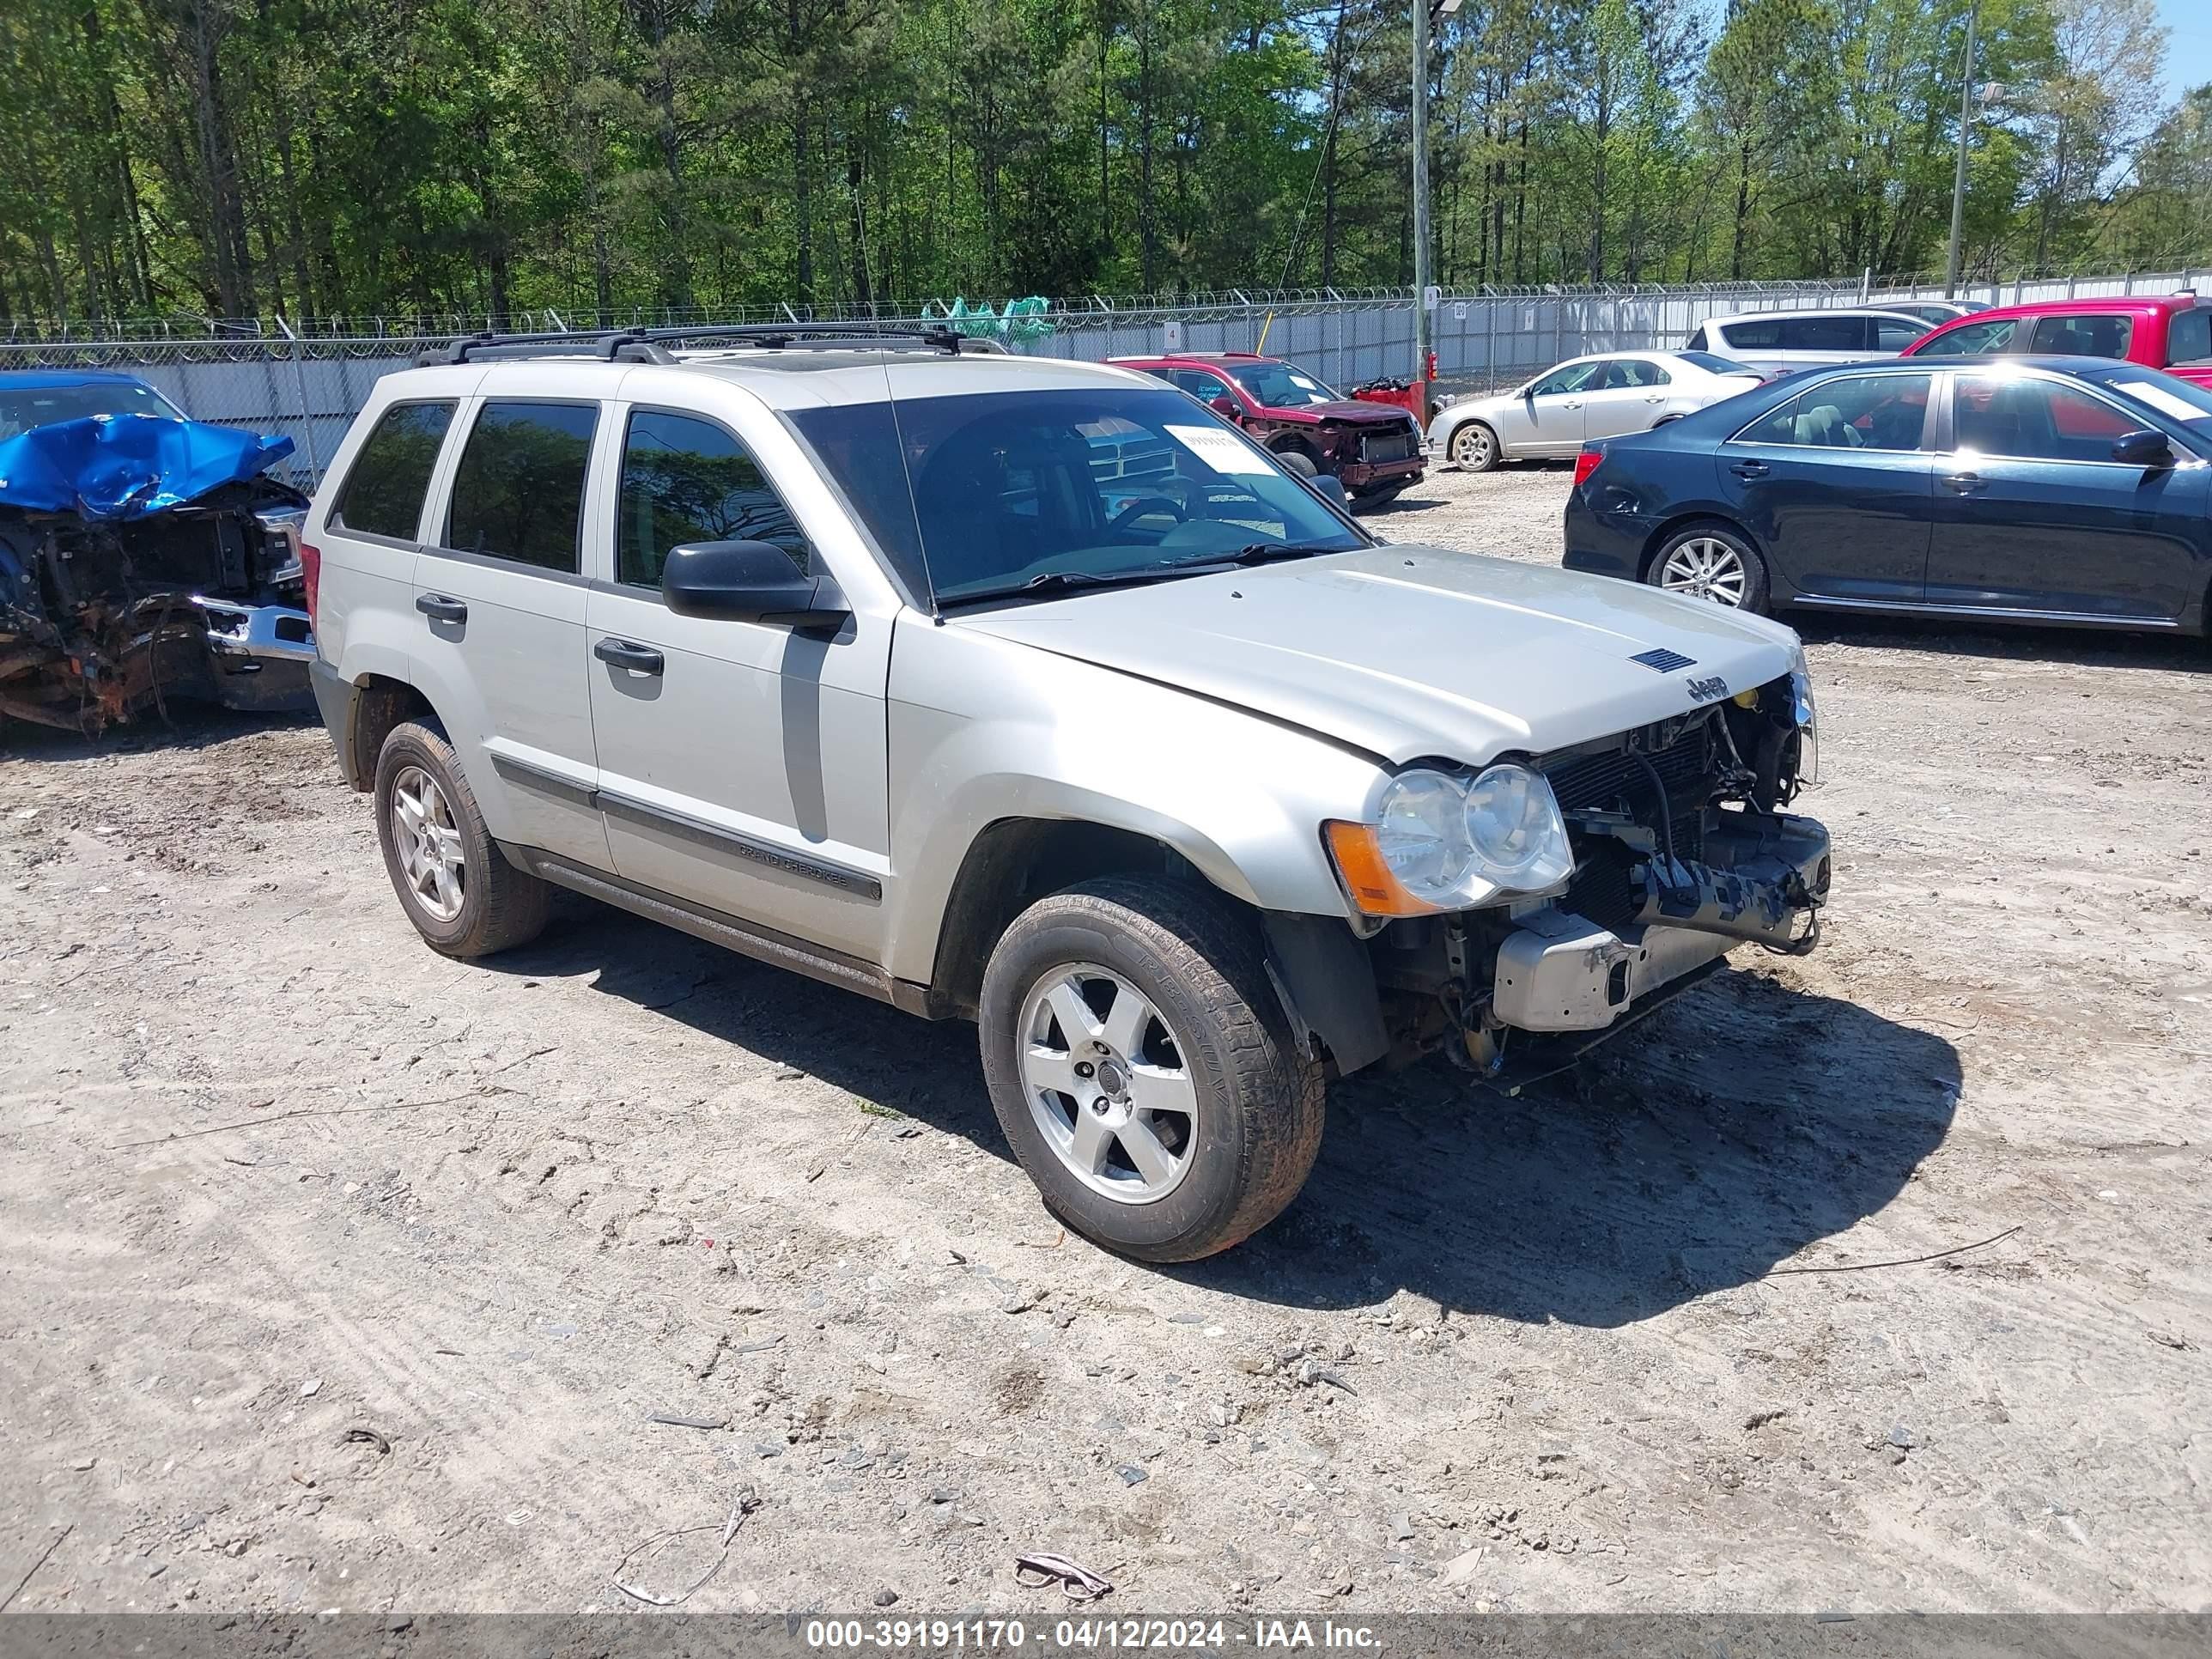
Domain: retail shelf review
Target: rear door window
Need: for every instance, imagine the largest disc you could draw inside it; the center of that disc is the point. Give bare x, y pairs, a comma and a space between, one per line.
2082, 337
518, 493
2188, 336
383, 494
684, 479
1895, 333
1860, 411
1624, 372
1844, 332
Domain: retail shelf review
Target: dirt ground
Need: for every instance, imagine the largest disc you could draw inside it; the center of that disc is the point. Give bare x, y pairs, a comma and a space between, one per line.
334, 1274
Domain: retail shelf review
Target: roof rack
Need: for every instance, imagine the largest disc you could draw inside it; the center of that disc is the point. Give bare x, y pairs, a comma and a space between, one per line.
650, 345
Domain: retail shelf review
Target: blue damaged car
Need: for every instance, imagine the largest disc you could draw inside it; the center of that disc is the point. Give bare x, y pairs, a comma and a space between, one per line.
143, 556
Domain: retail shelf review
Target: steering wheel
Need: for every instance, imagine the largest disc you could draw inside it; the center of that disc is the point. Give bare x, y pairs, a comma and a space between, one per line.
1138, 509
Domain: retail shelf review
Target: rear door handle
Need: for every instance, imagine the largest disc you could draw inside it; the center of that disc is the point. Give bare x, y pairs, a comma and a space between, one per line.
1968, 483
438, 608
638, 658
1748, 469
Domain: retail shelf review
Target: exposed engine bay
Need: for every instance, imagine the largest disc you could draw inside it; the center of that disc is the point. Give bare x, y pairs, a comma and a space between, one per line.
141, 561
1683, 851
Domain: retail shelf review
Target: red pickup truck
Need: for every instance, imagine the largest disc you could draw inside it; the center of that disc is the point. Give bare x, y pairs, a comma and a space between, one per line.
2172, 332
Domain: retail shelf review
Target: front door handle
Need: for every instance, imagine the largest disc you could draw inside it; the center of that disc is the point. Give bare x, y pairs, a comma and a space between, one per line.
438, 608
1748, 469
1966, 483
638, 658
1571, 403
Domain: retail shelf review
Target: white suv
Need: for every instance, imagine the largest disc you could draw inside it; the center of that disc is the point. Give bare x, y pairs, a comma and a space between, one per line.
1781, 341
1032, 692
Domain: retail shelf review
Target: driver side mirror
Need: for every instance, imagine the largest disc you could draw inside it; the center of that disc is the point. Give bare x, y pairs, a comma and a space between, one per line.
2142, 448
1225, 406
1329, 488
749, 581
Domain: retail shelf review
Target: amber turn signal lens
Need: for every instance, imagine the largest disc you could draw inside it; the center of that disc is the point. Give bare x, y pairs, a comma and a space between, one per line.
1358, 858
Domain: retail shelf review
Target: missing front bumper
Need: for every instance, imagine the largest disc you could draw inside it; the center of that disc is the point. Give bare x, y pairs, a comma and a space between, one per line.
1557, 971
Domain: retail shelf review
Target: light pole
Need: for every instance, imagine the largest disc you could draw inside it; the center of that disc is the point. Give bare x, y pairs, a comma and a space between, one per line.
1423, 11
1959, 179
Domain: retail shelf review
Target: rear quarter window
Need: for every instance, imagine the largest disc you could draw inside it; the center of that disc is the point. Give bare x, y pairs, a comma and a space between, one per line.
382, 495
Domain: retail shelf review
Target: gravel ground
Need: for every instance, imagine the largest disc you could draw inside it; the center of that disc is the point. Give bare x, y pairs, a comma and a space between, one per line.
334, 1274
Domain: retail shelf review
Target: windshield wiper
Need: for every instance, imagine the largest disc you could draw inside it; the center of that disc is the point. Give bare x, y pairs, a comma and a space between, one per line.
1061, 582
1255, 553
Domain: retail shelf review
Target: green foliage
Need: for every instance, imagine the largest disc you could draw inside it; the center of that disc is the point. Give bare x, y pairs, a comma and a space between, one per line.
321, 159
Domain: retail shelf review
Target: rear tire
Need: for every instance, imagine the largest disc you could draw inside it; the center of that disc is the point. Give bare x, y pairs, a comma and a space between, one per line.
1143, 1070
1711, 561
1472, 447
454, 884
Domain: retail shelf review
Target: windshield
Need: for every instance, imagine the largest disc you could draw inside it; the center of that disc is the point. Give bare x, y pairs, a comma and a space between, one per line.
23, 408
1279, 386
2169, 394
1716, 365
1108, 482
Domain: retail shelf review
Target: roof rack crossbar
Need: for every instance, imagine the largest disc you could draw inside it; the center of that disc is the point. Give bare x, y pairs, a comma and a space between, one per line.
650, 344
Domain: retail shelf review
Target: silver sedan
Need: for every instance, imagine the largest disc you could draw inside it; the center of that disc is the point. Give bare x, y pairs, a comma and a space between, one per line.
1596, 397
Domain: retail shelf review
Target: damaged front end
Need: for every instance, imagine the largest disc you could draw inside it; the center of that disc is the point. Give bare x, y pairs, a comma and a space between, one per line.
1682, 852
145, 558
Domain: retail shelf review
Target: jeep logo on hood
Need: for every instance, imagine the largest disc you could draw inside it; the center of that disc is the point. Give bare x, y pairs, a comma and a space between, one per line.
1709, 689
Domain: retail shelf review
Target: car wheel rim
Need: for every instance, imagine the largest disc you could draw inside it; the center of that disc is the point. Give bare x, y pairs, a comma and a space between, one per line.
429, 844
1706, 568
1107, 1084
1471, 447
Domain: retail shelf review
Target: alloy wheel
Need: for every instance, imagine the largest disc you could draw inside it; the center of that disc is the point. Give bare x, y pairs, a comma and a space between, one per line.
1108, 1083
1470, 445
428, 844
1706, 568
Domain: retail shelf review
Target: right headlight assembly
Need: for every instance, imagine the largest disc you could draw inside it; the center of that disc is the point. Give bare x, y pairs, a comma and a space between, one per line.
1443, 842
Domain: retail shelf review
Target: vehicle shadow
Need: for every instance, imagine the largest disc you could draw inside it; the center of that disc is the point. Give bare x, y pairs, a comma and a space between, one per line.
926, 1069
190, 726
1724, 1134
2080, 648
1740, 1124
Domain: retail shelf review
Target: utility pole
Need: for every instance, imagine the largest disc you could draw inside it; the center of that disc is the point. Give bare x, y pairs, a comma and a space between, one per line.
1424, 277
1959, 179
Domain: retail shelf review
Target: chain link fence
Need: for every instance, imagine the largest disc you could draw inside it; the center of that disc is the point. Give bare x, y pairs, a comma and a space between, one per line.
309, 385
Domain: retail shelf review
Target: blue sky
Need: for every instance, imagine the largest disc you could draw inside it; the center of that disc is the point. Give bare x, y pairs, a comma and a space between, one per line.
2188, 44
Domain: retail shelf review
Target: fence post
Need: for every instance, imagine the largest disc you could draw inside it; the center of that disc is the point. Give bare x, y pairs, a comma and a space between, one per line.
306, 415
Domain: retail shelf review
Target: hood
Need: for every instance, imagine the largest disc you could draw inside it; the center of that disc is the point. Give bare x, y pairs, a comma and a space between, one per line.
1406, 652
1350, 410
128, 466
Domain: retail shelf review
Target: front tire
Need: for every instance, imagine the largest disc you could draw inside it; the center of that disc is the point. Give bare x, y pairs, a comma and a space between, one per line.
1143, 1071
456, 886
1473, 447
1711, 561
1297, 462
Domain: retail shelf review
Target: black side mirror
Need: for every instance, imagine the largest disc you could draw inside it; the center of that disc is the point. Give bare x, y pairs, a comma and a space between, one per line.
1328, 487
1225, 406
749, 581
2142, 448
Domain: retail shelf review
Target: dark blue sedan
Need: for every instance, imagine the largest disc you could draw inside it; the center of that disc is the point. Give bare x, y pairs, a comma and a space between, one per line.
2039, 490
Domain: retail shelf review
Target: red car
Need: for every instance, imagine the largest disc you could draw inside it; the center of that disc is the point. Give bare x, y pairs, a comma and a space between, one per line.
1372, 449
2173, 332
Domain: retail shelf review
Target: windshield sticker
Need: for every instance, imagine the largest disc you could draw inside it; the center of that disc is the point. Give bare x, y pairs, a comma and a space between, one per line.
2160, 399
1225, 452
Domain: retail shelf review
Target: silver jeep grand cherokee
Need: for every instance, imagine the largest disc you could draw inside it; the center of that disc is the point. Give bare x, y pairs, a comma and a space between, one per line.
1030, 692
